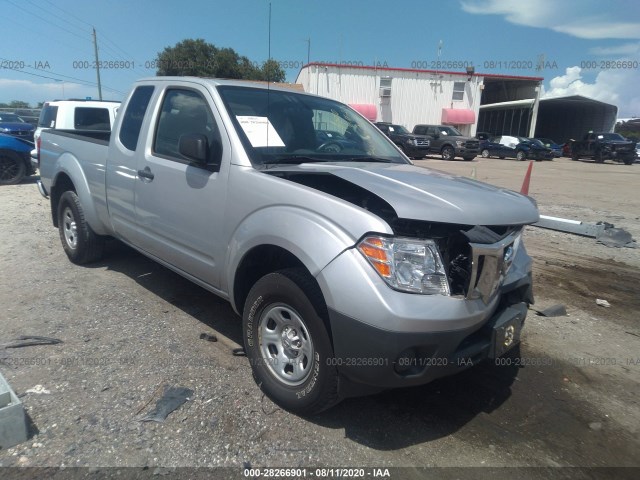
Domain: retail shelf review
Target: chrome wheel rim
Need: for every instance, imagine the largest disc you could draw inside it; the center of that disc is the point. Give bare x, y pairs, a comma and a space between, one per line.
485, 153
285, 344
69, 228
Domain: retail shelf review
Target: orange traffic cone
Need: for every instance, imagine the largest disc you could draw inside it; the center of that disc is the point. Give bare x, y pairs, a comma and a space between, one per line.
527, 179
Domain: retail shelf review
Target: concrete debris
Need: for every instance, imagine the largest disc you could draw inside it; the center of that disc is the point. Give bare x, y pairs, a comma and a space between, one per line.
38, 389
602, 303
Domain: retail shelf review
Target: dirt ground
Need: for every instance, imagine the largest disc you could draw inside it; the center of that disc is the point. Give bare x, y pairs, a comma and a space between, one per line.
130, 326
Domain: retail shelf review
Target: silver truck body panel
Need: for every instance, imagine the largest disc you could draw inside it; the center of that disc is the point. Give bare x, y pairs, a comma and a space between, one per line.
203, 220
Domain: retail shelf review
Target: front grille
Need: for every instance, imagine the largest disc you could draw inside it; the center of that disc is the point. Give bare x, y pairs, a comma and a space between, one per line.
421, 142
474, 256
472, 144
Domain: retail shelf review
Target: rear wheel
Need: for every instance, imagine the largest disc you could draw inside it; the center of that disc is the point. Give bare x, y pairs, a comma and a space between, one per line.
81, 244
287, 342
448, 153
521, 156
12, 169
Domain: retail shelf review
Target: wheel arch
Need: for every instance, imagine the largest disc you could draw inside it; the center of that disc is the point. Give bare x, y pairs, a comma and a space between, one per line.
70, 176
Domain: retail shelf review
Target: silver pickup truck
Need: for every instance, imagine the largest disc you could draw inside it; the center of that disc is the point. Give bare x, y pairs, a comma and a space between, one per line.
353, 270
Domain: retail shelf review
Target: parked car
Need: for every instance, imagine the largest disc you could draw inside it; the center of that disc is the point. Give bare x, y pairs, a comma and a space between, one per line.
602, 146
353, 272
414, 146
483, 139
520, 148
556, 148
449, 142
12, 124
15, 159
637, 150
75, 115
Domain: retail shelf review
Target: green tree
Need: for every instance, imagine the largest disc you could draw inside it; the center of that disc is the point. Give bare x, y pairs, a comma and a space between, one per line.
201, 59
18, 104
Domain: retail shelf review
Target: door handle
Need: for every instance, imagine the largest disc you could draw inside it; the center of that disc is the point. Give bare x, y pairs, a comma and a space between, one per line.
146, 174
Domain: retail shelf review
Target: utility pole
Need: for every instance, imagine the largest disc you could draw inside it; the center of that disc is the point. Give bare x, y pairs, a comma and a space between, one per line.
308, 50
95, 48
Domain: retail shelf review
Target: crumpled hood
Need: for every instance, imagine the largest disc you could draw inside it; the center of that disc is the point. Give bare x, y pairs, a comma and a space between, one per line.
424, 194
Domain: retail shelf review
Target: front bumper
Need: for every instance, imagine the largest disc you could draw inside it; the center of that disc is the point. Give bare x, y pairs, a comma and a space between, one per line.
467, 152
416, 151
378, 332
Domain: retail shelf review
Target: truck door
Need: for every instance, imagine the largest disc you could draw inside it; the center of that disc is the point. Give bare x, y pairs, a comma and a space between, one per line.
180, 205
121, 165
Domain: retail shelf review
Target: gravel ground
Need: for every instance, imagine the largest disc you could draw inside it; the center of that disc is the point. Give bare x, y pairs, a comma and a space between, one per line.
131, 327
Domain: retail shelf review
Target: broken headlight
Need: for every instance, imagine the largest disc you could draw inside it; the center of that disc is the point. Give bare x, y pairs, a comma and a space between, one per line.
407, 264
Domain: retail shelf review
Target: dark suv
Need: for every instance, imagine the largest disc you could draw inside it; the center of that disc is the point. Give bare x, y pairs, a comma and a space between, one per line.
413, 146
449, 142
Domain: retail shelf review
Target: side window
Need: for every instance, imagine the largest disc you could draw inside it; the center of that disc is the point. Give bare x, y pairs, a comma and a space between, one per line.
458, 91
132, 121
48, 117
183, 112
91, 118
420, 130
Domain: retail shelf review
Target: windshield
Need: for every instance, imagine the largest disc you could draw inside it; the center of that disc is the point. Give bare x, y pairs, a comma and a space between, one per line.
535, 141
547, 141
398, 129
10, 118
287, 127
449, 131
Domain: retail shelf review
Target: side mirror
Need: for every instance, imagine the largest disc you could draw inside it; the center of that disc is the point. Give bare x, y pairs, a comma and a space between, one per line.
194, 146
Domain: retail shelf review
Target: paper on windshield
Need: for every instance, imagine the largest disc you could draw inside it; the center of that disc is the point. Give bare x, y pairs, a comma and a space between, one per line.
259, 131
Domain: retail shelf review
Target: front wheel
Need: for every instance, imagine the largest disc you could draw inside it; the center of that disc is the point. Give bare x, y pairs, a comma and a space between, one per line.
485, 153
448, 153
521, 156
468, 159
12, 169
80, 243
287, 342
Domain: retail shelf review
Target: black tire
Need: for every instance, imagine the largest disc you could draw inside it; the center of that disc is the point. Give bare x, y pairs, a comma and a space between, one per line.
521, 156
629, 161
12, 169
80, 243
599, 157
468, 159
575, 157
290, 299
448, 153
485, 153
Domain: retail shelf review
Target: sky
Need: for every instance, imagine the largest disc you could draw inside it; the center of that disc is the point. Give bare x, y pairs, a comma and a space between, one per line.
579, 47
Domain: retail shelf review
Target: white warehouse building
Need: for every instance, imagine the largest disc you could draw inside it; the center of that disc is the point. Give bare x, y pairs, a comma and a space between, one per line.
470, 101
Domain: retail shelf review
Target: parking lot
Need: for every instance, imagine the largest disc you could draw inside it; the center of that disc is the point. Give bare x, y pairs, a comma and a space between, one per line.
130, 326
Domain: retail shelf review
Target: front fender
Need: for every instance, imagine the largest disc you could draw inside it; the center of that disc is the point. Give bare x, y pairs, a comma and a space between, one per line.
67, 164
314, 239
